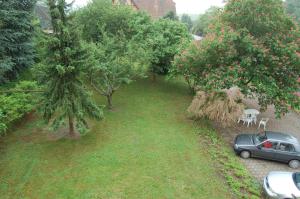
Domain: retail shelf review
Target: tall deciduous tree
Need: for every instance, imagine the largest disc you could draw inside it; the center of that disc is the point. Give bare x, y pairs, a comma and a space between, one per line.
65, 98
16, 31
257, 51
116, 61
166, 40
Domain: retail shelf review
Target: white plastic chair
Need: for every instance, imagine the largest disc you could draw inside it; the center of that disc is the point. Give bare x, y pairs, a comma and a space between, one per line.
247, 119
263, 122
242, 118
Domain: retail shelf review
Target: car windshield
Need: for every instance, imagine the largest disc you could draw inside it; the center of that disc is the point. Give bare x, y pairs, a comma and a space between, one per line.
259, 138
296, 178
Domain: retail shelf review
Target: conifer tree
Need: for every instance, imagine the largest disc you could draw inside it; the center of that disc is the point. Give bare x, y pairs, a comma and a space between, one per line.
16, 31
66, 99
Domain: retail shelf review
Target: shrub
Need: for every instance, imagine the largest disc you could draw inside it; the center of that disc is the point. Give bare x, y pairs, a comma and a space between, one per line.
14, 105
221, 106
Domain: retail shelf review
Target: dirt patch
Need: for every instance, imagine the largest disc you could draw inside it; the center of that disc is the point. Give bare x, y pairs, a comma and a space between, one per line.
62, 133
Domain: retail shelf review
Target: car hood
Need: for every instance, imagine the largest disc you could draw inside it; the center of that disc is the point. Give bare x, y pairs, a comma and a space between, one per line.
244, 139
282, 183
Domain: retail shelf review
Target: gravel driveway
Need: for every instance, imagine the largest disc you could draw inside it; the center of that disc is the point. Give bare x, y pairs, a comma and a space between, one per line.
289, 124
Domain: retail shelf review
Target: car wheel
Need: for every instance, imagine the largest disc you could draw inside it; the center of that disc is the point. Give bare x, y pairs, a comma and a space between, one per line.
294, 164
245, 154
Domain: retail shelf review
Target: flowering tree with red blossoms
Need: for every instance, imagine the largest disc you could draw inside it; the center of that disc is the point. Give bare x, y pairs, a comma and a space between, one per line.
254, 45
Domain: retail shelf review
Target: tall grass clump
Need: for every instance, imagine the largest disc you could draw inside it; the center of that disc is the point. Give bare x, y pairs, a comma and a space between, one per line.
223, 106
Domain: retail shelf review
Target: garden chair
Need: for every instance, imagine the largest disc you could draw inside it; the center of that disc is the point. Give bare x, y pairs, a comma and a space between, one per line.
263, 122
242, 118
247, 119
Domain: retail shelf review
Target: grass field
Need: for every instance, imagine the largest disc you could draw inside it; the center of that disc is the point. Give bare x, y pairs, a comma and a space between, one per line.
145, 148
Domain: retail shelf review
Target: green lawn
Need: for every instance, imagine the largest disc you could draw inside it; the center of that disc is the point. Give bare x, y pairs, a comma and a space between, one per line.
145, 148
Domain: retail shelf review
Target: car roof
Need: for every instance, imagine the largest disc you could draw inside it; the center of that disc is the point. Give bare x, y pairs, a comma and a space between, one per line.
282, 137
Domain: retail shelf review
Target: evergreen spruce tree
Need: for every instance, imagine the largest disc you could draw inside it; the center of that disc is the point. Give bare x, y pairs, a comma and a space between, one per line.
16, 31
65, 99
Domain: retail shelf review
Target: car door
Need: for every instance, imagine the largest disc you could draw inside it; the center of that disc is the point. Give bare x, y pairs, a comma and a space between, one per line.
266, 152
285, 152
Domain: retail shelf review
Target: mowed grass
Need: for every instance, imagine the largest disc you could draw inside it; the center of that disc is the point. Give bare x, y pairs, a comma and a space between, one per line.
145, 148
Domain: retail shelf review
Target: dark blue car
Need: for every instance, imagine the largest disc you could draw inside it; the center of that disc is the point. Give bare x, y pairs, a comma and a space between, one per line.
269, 145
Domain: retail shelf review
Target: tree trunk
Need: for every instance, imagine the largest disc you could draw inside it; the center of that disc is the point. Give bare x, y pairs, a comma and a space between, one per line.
153, 77
72, 133
109, 101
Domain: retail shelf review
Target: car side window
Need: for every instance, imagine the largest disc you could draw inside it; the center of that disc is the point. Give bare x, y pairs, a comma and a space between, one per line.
286, 147
269, 144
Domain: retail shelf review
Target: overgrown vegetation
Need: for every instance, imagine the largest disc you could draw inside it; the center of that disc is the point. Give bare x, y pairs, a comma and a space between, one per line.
14, 105
224, 107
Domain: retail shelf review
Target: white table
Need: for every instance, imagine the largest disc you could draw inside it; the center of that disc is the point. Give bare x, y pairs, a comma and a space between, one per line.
249, 116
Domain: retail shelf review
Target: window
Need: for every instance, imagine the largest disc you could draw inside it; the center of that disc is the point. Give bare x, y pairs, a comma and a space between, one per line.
296, 177
269, 144
286, 147
260, 138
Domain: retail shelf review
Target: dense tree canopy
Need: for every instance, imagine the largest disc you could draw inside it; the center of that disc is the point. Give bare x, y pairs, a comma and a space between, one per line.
162, 37
16, 31
201, 25
65, 96
167, 38
257, 51
171, 15
186, 19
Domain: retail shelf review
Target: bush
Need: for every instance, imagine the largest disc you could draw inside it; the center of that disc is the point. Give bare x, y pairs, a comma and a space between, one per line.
223, 106
13, 106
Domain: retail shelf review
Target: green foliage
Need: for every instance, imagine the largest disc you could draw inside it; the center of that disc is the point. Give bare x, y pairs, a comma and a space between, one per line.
257, 51
14, 105
171, 16
201, 25
100, 16
115, 61
65, 96
167, 39
186, 19
293, 8
162, 38
16, 32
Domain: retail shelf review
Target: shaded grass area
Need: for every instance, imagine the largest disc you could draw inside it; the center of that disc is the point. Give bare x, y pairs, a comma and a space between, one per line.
145, 148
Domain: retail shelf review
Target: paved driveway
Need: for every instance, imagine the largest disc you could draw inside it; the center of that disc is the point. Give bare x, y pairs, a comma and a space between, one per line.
288, 124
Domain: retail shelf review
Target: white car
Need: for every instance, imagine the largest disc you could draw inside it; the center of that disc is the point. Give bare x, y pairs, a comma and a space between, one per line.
282, 185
